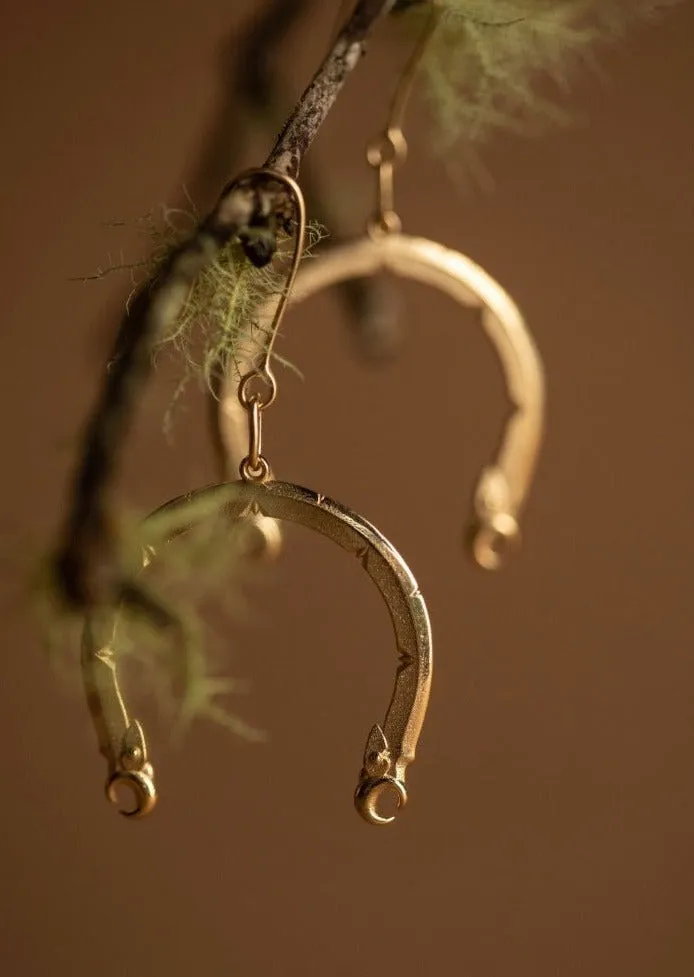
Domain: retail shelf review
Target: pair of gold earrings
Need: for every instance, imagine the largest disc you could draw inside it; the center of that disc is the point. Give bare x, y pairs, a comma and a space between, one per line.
257, 497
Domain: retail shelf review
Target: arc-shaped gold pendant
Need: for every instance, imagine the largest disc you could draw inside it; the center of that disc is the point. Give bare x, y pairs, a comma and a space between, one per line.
391, 745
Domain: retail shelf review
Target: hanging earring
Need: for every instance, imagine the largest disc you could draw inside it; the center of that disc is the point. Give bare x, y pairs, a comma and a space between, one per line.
503, 486
391, 746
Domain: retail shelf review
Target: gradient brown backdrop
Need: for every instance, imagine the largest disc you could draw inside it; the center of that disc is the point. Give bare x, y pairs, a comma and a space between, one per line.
549, 832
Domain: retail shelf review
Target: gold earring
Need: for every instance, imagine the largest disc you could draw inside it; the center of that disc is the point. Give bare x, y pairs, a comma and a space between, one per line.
503, 486
391, 746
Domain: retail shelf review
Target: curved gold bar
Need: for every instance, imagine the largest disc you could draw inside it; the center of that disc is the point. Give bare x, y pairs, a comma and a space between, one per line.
391, 746
121, 739
503, 486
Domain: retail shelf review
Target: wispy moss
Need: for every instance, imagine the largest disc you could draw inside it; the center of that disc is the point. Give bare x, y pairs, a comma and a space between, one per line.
216, 325
179, 654
197, 577
489, 61
162, 630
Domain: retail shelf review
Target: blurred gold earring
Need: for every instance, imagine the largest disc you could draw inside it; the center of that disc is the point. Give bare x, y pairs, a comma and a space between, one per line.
503, 486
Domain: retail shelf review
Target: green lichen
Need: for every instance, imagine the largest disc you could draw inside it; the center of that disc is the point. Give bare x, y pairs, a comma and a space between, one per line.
195, 577
501, 64
216, 329
174, 655
162, 633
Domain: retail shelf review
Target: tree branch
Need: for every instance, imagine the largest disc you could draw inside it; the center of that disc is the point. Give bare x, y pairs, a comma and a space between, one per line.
87, 566
370, 303
312, 109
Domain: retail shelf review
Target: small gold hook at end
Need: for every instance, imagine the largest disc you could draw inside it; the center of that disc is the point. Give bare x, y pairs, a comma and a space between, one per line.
495, 534
495, 540
140, 784
134, 771
369, 792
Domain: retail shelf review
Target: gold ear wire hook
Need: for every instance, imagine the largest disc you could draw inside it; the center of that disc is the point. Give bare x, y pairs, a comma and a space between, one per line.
264, 533
390, 148
264, 370
403, 92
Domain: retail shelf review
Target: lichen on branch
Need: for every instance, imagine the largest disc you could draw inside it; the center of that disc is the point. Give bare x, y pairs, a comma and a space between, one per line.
217, 316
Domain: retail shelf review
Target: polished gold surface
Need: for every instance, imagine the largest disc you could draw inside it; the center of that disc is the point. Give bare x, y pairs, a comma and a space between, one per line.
391, 745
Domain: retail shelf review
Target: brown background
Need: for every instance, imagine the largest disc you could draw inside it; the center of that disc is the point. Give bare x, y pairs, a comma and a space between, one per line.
552, 802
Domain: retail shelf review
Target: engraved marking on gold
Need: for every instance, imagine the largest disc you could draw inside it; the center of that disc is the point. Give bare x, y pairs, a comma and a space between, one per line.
390, 748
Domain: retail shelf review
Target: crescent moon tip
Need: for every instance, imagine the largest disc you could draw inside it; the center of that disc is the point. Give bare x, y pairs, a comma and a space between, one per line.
368, 794
142, 787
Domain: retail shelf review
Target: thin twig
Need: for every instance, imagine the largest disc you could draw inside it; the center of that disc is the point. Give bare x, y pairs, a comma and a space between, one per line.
87, 567
370, 303
312, 109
